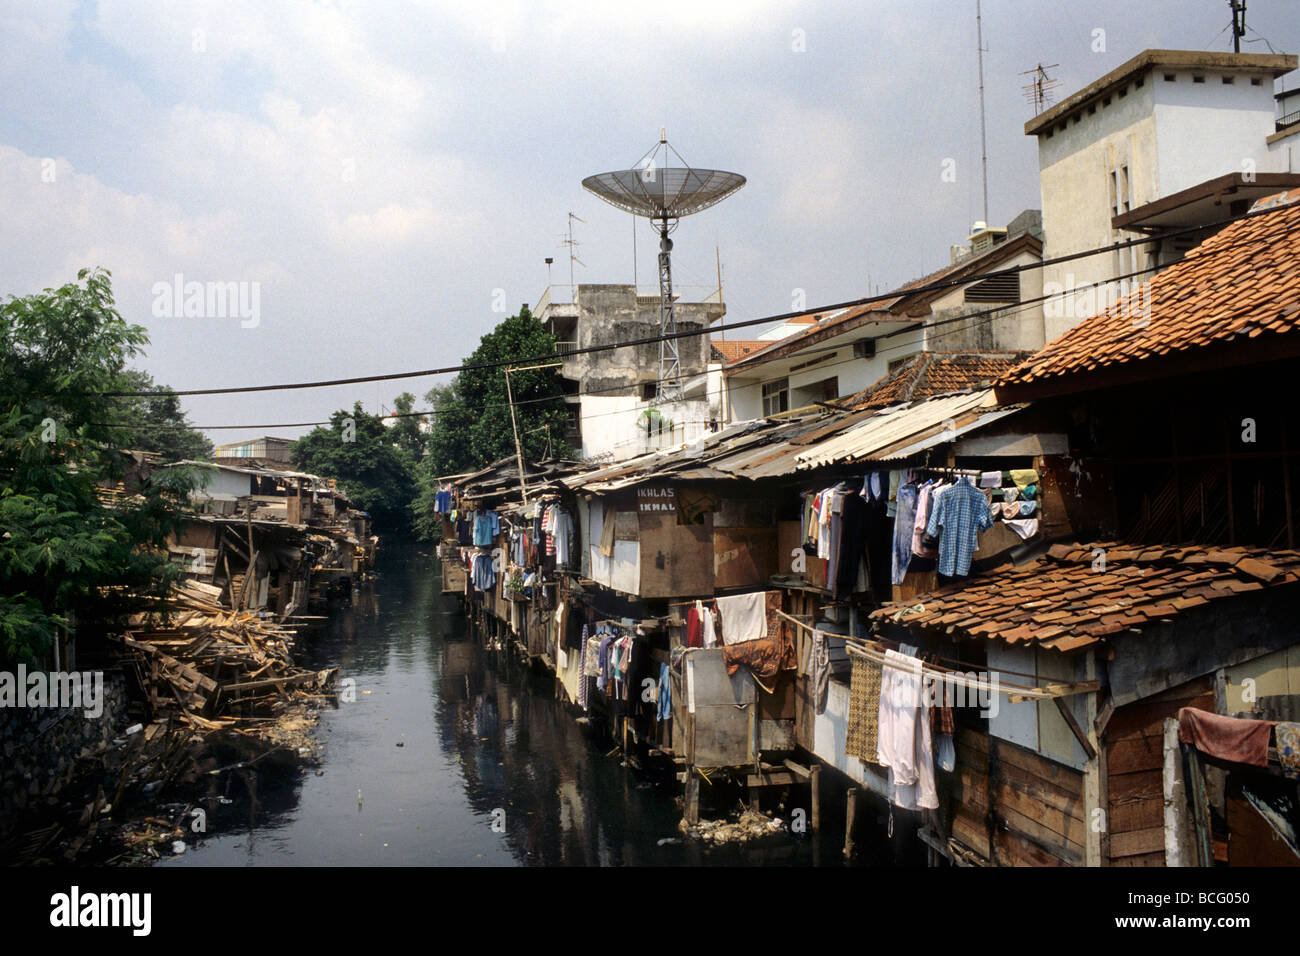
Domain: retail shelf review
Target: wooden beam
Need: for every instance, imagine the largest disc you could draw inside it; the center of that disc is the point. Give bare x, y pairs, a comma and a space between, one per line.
1075, 729
850, 814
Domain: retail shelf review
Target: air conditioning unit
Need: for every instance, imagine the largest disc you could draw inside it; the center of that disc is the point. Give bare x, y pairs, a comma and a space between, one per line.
864, 348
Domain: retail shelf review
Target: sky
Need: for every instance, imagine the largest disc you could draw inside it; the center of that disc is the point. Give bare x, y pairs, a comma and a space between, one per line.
379, 184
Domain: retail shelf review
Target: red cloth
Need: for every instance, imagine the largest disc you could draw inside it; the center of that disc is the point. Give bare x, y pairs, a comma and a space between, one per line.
694, 635
1229, 738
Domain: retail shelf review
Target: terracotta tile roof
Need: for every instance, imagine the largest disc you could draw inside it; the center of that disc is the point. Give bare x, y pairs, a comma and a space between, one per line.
935, 373
1241, 283
728, 350
1060, 602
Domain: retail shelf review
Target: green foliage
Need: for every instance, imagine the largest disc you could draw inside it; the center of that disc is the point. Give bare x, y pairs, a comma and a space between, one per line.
158, 423
358, 450
405, 431
67, 559
471, 425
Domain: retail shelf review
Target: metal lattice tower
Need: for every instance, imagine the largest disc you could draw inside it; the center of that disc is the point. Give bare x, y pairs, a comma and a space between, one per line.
664, 193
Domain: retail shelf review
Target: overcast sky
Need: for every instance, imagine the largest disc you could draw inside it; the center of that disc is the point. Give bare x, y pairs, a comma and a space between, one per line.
381, 170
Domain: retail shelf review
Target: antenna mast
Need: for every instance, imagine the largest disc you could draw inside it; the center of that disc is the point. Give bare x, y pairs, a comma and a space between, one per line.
984, 151
573, 256
1238, 23
663, 192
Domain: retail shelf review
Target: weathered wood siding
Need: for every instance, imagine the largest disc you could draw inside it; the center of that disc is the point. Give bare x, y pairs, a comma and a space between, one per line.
1134, 761
1015, 807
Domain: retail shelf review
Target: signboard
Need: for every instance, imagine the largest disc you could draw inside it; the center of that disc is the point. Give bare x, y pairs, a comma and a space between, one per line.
656, 500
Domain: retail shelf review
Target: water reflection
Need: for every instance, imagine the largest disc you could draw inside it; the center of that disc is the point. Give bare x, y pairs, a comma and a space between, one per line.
445, 738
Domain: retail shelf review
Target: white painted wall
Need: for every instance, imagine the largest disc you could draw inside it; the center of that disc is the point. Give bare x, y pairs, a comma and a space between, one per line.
1171, 135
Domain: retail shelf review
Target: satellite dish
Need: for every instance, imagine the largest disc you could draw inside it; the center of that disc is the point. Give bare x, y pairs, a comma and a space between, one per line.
664, 192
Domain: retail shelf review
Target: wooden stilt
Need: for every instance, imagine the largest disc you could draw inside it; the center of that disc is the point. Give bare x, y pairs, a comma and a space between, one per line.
850, 814
692, 797
815, 772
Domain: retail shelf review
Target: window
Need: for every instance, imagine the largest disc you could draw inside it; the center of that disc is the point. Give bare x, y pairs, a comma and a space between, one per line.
649, 391
1170, 77
1198, 79
776, 396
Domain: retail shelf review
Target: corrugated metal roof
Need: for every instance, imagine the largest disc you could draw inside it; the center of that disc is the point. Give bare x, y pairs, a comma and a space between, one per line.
897, 433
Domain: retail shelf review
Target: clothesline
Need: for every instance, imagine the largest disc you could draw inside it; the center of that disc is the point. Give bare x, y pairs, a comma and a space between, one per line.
876, 654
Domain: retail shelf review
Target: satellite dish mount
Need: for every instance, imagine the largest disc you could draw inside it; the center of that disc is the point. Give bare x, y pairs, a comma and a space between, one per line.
664, 192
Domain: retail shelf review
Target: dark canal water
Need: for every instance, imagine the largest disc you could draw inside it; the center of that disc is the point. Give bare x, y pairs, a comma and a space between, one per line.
478, 735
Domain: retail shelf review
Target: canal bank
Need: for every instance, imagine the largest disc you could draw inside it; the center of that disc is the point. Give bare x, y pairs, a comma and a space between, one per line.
442, 740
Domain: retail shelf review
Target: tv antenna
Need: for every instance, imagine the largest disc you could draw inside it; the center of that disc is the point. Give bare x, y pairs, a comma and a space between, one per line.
573, 244
984, 146
1040, 90
663, 193
1238, 23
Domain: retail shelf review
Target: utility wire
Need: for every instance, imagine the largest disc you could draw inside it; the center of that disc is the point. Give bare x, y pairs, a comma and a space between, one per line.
978, 318
937, 286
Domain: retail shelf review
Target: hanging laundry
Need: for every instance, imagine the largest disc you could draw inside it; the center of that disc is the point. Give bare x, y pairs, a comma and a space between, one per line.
990, 479
665, 693
708, 629
483, 573
905, 740
1023, 477
904, 525
820, 671
864, 709
1025, 527
764, 657
960, 515
694, 637
1235, 739
744, 617
1288, 748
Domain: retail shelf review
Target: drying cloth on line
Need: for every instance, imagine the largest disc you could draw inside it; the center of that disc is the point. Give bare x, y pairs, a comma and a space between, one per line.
1288, 748
764, 657
1025, 527
820, 671
744, 617
900, 696
990, 479
1023, 477
1237, 739
864, 709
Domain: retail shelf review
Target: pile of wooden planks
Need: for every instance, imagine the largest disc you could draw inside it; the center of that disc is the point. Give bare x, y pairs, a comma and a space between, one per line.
211, 666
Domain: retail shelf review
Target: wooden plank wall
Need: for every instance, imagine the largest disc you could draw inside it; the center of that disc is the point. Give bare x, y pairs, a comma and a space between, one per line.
1134, 761
1015, 807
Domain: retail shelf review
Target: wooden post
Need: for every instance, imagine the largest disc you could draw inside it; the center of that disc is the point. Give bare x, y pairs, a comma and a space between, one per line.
1180, 849
816, 771
850, 814
692, 796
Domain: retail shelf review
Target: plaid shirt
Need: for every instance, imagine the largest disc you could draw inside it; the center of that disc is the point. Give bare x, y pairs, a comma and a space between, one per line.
962, 512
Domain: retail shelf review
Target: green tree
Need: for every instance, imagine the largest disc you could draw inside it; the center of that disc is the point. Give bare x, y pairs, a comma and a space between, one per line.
69, 559
158, 423
405, 431
358, 451
471, 424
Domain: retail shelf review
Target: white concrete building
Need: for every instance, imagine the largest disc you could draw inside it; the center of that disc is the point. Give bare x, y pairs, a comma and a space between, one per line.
1161, 125
822, 357
614, 413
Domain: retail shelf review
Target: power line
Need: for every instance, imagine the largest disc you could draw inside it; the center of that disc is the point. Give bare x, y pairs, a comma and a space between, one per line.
937, 286
979, 317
